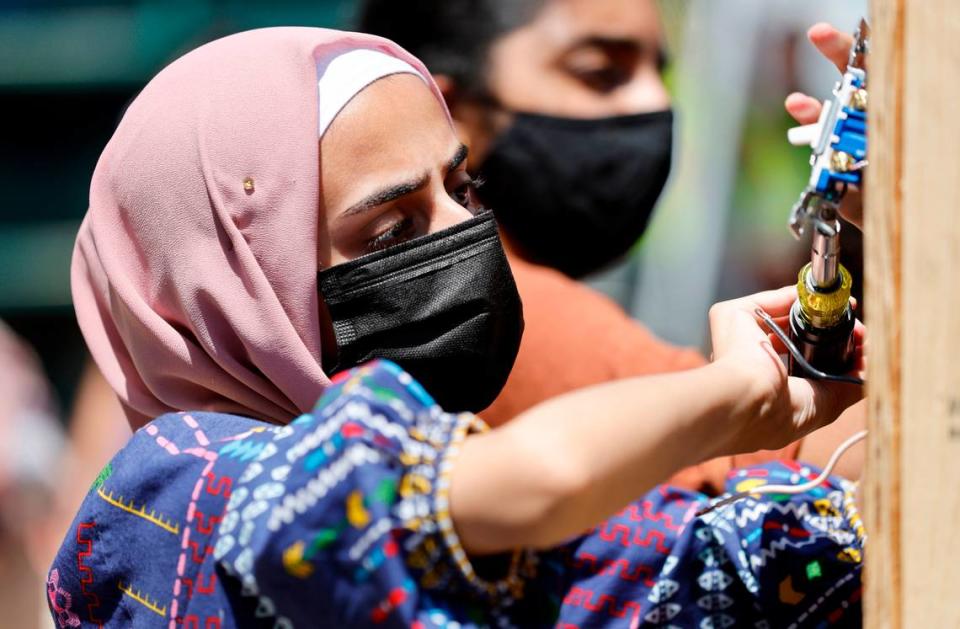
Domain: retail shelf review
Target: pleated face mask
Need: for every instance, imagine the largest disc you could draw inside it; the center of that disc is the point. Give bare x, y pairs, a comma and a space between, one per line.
444, 307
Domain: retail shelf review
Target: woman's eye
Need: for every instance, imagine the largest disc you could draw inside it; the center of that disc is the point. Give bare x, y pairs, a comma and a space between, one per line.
401, 231
466, 195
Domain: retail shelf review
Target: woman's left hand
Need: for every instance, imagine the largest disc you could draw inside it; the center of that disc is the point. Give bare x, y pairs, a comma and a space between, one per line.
778, 409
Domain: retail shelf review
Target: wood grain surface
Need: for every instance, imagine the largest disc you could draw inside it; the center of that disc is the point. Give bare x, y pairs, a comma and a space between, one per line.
912, 244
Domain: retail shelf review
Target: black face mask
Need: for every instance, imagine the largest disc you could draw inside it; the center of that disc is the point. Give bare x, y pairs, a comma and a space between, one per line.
574, 194
444, 307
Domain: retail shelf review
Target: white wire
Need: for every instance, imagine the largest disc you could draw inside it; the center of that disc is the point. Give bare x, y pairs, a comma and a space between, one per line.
792, 489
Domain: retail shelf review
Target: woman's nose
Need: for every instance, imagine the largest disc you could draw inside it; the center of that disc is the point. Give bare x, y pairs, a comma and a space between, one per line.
447, 213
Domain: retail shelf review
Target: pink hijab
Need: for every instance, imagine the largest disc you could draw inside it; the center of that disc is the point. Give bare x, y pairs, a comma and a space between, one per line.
194, 273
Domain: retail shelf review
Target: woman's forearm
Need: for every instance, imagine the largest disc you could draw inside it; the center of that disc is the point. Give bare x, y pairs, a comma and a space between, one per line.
570, 462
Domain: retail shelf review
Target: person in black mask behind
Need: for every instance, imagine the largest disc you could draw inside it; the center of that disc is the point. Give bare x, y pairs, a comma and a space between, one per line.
564, 108
563, 105
570, 130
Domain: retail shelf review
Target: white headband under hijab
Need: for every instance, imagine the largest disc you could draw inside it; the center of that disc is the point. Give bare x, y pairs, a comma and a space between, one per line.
348, 74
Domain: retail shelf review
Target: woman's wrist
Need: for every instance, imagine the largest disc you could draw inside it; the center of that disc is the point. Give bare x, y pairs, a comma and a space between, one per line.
740, 399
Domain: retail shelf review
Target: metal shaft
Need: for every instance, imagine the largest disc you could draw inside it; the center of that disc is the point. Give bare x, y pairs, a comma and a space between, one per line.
825, 257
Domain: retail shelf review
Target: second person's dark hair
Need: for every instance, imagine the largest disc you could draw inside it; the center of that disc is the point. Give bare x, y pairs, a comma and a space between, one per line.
451, 37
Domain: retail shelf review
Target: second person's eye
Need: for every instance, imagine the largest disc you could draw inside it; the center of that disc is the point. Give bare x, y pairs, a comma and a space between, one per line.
604, 79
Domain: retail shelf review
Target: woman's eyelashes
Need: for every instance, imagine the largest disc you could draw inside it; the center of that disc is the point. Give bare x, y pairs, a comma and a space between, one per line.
399, 232
464, 192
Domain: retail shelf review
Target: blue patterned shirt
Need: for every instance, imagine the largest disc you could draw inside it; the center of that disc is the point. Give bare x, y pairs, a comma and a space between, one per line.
341, 519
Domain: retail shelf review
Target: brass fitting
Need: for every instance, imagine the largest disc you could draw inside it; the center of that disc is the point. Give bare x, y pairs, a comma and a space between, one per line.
842, 162
858, 100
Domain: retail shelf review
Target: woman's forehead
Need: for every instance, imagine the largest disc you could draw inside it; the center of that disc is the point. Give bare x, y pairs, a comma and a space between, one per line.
395, 125
344, 75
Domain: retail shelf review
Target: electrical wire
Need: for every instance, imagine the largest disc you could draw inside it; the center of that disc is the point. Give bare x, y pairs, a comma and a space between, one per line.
815, 374
791, 489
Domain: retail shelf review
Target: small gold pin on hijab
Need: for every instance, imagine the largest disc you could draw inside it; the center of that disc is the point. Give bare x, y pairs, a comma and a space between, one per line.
248, 185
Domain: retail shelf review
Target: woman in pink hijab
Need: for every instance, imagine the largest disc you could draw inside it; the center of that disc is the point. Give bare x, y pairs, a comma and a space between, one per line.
283, 259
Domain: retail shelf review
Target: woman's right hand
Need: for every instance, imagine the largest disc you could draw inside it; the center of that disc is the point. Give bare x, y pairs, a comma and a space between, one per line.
778, 409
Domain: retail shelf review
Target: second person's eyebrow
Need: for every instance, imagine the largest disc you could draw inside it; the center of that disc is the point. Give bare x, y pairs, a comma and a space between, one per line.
395, 191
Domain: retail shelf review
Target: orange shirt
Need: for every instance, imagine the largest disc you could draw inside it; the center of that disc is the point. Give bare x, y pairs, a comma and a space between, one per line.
575, 337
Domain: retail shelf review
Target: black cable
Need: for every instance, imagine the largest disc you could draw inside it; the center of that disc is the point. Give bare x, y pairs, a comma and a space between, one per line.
814, 373
790, 489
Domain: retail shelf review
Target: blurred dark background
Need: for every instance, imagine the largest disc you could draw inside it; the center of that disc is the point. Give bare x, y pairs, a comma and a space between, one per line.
67, 70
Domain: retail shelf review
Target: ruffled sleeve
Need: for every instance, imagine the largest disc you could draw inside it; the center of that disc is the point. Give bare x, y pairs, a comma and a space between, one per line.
342, 517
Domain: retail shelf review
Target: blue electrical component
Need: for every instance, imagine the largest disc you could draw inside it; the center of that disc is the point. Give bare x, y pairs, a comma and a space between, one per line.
839, 143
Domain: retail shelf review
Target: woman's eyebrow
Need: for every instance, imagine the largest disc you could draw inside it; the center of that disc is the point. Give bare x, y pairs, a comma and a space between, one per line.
391, 193
385, 195
457, 159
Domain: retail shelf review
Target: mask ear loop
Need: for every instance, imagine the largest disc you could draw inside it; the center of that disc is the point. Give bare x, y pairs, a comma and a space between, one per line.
815, 374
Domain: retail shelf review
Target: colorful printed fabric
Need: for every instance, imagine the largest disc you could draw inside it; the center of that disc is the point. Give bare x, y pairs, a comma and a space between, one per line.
341, 519
338, 519
780, 561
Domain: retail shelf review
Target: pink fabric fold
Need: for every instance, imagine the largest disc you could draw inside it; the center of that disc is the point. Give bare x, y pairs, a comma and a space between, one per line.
194, 273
